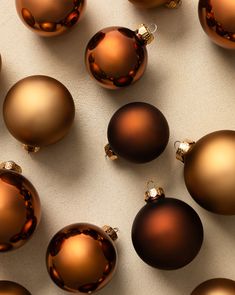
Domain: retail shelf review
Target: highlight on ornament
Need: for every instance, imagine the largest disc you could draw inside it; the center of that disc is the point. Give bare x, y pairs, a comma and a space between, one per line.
38, 111
116, 57
82, 258
12, 288
49, 17
218, 21
209, 170
218, 286
20, 209
156, 3
166, 233
138, 132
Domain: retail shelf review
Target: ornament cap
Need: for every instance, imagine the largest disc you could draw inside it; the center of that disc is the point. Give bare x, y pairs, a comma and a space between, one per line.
146, 33
31, 149
11, 165
173, 4
111, 232
183, 148
153, 192
109, 153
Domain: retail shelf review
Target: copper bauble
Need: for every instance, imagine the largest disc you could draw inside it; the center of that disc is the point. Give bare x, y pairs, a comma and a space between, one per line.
38, 111
116, 57
209, 171
218, 21
137, 132
166, 233
82, 258
155, 3
49, 17
12, 288
20, 209
216, 287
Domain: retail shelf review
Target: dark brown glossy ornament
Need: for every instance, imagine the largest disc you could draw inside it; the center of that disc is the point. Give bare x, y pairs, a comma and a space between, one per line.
137, 132
218, 21
155, 3
12, 288
20, 209
216, 287
117, 57
209, 171
38, 111
166, 233
82, 257
49, 17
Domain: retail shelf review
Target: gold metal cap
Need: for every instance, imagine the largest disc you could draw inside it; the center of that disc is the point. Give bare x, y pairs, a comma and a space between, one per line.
153, 192
183, 148
31, 149
172, 4
146, 33
111, 232
11, 165
109, 153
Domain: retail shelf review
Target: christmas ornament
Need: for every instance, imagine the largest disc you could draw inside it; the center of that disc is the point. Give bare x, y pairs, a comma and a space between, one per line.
49, 17
155, 3
209, 170
12, 288
166, 233
137, 132
82, 258
216, 287
117, 57
38, 111
20, 209
218, 21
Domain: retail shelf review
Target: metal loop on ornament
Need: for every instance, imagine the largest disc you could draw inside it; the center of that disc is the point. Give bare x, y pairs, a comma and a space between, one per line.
152, 28
150, 185
177, 144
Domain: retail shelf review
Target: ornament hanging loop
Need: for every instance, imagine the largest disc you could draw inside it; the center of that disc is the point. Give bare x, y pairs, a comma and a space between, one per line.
153, 192
146, 33
173, 4
12, 166
31, 149
182, 148
109, 153
111, 232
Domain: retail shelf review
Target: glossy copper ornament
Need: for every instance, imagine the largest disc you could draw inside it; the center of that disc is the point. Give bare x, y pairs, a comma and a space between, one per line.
117, 57
12, 288
166, 233
137, 132
49, 17
82, 258
155, 3
209, 171
38, 111
20, 209
218, 21
216, 287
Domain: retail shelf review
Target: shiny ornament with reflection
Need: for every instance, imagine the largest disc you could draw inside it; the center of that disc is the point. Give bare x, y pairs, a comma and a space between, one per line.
216, 287
49, 17
209, 170
20, 209
217, 18
117, 57
12, 288
137, 132
167, 233
38, 111
82, 258
155, 3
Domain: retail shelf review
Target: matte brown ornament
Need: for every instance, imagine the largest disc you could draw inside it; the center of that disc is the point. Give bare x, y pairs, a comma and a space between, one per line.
155, 3
137, 132
166, 233
12, 288
218, 21
117, 57
216, 287
49, 17
82, 257
38, 111
209, 171
20, 209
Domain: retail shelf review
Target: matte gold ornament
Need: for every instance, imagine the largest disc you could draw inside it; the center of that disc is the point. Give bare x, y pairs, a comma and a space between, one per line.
117, 57
155, 3
38, 111
82, 258
216, 287
49, 17
12, 288
218, 21
20, 209
209, 170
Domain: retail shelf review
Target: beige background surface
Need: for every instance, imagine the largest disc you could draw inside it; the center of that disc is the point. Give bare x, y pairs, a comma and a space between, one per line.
188, 78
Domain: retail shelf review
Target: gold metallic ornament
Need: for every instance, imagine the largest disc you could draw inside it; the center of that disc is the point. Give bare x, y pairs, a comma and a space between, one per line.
216, 287
12, 288
82, 258
217, 18
49, 17
117, 57
20, 209
209, 170
38, 111
155, 3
